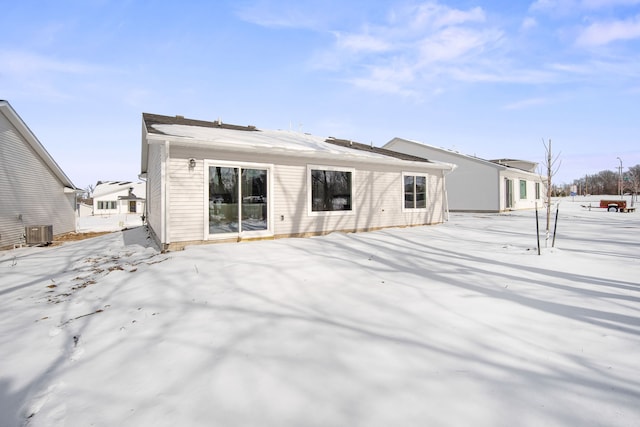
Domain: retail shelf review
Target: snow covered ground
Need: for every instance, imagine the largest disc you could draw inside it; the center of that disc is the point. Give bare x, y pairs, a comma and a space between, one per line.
108, 222
456, 324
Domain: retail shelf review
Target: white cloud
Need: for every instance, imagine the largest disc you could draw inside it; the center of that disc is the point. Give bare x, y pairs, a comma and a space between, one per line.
557, 7
395, 78
454, 43
403, 52
602, 33
362, 43
564, 7
599, 4
528, 23
285, 14
20, 63
435, 16
526, 103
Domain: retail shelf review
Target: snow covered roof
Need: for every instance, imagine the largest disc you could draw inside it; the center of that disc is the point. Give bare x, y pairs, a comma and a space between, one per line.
518, 164
523, 165
104, 188
245, 138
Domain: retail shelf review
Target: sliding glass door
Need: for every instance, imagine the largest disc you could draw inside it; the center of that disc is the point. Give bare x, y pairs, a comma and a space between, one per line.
238, 199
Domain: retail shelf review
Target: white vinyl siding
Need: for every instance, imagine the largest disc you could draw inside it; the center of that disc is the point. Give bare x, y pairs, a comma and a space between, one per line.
154, 206
376, 196
475, 185
341, 193
30, 193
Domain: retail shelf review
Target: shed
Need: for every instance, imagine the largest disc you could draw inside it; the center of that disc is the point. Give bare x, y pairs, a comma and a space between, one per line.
479, 185
33, 188
208, 181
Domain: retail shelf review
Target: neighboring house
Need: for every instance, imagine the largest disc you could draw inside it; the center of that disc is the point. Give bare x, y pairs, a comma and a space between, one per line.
479, 185
118, 197
209, 181
34, 191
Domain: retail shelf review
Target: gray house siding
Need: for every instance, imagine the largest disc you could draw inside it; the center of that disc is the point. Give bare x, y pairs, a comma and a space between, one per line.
30, 191
476, 185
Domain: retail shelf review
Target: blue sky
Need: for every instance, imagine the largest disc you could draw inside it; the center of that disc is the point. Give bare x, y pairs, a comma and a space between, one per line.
491, 79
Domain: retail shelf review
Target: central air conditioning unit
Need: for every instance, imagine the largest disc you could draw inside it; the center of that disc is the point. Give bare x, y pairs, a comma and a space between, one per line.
39, 234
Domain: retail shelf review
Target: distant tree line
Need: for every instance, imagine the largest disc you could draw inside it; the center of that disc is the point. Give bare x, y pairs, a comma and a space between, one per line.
604, 182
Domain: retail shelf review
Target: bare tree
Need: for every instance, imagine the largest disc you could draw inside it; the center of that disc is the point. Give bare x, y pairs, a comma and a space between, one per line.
632, 178
88, 191
551, 165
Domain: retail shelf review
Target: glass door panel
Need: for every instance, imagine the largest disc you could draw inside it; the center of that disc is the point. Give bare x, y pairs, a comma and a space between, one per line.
223, 200
408, 192
508, 193
421, 192
254, 199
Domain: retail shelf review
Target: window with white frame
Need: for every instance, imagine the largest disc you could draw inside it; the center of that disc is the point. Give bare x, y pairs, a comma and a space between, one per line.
106, 205
523, 189
537, 190
414, 191
238, 198
330, 189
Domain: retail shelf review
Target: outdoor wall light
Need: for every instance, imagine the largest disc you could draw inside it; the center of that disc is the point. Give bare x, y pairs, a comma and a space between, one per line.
192, 163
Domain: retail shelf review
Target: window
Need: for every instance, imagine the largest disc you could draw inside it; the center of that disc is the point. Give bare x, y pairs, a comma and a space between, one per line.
415, 191
107, 205
537, 190
238, 199
331, 190
523, 189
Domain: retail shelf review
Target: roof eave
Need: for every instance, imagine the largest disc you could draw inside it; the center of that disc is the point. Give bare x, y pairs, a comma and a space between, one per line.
184, 141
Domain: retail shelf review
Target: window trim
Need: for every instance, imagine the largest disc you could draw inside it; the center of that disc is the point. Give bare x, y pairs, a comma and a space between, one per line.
270, 199
426, 201
523, 196
310, 211
106, 205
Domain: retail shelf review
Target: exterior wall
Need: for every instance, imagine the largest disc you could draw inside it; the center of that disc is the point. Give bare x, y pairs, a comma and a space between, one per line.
378, 195
30, 192
111, 192
528, 202
155, 176
476, 185
121, 206
472, 186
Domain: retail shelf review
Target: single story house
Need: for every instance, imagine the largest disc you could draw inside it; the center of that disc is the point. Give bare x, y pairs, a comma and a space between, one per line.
119, 197
479, 185
34, 191
208, 181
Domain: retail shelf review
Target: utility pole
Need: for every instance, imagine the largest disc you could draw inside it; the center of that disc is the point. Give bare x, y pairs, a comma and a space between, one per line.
620, 178
549, 173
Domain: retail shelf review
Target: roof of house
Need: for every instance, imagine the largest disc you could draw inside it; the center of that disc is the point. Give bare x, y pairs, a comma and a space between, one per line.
523, 165
150, 120
242, 138
518, 164
104, 188
372, 149
7, 110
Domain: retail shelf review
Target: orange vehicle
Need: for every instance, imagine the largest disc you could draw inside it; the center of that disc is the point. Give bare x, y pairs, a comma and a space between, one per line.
615, 205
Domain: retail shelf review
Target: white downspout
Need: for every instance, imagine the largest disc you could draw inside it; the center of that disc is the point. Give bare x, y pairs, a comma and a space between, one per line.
164, 198
445, 198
